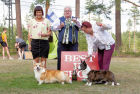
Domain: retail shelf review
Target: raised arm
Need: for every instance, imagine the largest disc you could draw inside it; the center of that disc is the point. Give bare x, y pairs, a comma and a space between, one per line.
104, 26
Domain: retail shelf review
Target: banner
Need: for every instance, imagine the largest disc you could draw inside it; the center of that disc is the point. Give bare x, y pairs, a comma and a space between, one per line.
70, 58
51, 16
53, 47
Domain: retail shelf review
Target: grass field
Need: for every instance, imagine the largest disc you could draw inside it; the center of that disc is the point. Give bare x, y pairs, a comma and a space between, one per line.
17, 77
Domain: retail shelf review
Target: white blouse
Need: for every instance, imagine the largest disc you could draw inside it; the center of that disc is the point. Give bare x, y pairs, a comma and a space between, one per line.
101, 39
36, 28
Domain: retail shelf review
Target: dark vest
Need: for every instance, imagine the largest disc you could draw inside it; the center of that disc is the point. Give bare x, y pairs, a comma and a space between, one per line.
61, 32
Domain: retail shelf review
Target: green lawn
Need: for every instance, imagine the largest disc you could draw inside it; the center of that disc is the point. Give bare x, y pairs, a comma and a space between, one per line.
17, 77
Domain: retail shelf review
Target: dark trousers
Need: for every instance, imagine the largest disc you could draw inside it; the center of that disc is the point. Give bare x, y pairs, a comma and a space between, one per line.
64, 47
104, 58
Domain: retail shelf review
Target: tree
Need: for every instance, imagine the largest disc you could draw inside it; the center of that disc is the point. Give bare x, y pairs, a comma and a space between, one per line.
32, 6
118, 25
99, 8
18, 18
77, 8
129, 24
135, 13
118, 21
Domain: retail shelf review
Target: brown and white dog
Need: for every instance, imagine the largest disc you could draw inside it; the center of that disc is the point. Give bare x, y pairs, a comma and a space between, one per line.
97, 75
49, 76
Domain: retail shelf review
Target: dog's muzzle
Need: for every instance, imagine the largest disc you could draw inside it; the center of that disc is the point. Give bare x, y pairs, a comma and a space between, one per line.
38, 69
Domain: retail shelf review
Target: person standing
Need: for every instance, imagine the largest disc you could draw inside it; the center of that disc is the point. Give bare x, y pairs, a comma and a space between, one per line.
39, 32
5, 44
98, 39
68, 34
20, 45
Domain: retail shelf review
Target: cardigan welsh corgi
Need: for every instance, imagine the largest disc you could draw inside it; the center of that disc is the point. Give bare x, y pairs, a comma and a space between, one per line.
97, 75
49, 76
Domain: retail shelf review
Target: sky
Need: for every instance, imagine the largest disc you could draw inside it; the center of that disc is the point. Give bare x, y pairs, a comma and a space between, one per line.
58, 7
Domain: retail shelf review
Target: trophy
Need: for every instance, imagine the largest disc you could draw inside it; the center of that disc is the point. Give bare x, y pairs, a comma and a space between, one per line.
74, 73
69, 23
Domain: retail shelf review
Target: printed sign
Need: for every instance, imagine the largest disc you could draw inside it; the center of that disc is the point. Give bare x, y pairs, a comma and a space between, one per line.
71, 58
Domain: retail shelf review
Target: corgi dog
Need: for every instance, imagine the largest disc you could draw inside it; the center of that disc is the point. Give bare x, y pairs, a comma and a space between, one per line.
97, 75
49, 76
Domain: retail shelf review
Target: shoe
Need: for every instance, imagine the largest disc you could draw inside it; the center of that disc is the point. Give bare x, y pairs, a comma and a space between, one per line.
10, 58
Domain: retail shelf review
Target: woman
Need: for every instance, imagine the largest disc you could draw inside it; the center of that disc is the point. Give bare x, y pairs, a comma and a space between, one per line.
99, 39
39, 32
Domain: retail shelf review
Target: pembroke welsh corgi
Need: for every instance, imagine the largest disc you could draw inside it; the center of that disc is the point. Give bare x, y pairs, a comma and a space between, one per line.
97, 75
49, 76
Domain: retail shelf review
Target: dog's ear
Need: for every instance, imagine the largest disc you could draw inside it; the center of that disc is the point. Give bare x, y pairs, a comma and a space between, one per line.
84, 62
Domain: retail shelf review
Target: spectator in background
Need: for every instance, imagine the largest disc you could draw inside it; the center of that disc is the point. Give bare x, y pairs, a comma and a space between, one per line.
5, 44
100, 40
68, 28
20, 45
39, 32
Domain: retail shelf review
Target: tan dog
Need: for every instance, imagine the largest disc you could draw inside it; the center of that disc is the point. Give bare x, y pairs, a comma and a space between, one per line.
49, 76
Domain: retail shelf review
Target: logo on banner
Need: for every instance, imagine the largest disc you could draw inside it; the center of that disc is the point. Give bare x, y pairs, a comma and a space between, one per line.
69, 59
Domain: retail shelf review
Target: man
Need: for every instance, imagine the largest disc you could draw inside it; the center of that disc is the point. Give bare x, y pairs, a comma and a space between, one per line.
68, 34
5, 44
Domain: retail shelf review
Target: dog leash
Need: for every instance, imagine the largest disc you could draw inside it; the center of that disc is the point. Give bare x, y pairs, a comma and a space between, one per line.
86, 58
